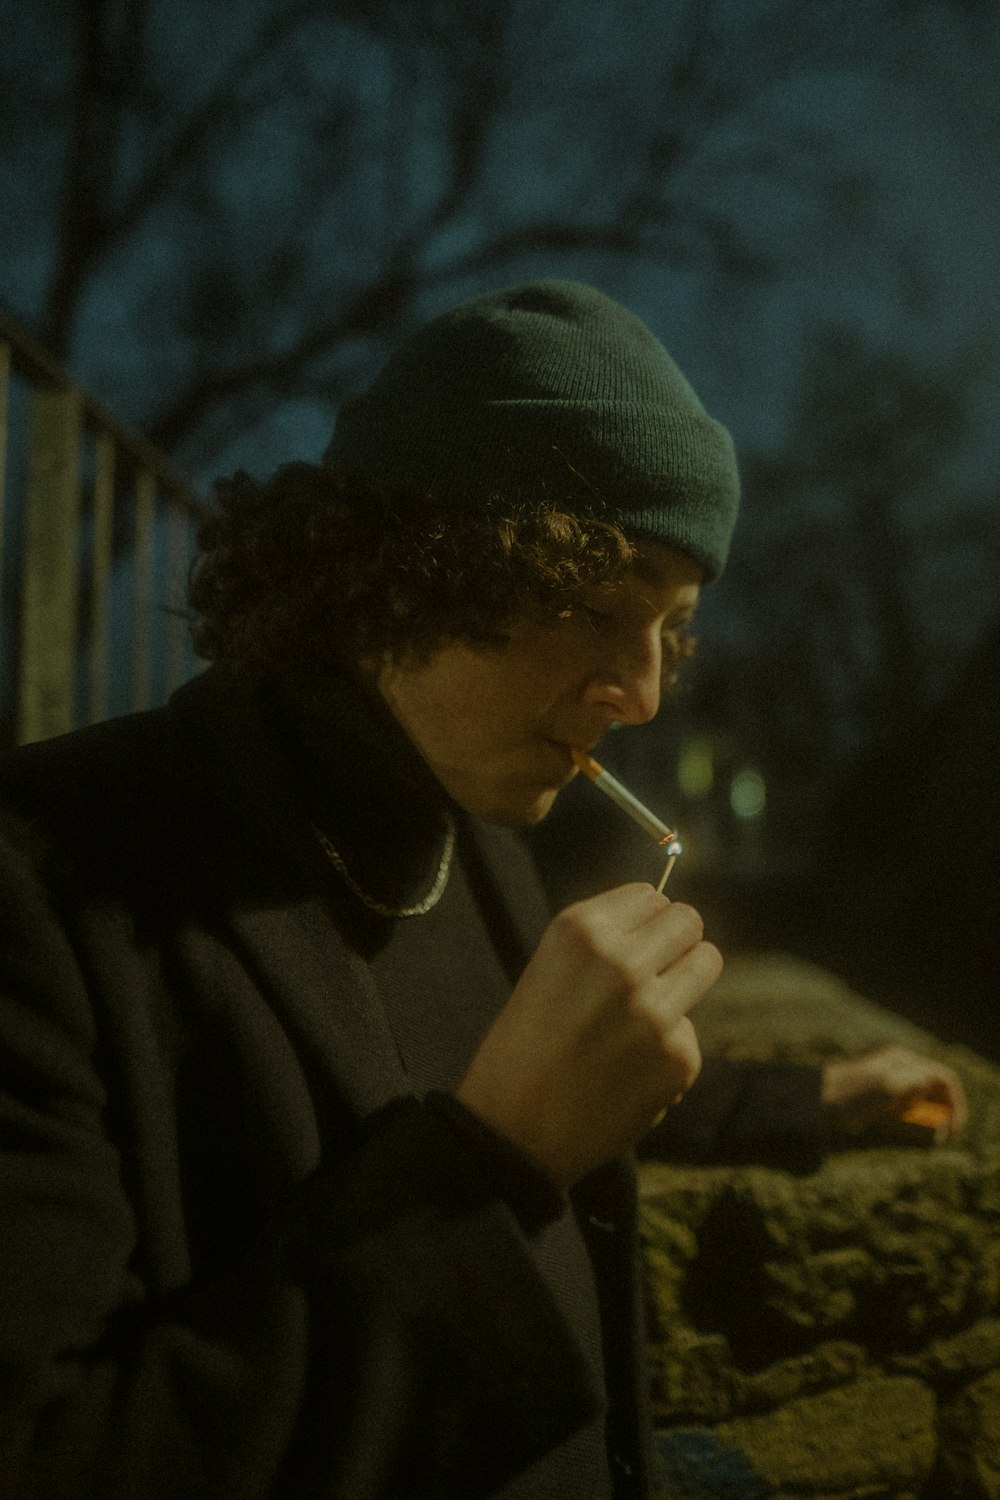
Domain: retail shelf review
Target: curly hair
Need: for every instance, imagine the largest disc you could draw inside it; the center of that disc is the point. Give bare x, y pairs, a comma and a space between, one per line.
308, 569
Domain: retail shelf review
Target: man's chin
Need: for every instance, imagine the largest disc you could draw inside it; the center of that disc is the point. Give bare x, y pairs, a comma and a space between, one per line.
515, 811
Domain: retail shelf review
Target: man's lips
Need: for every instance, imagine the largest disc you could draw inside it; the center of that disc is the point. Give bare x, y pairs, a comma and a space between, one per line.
567, 750
582, 742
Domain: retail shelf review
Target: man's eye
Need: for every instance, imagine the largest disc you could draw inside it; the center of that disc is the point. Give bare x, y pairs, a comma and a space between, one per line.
678, 642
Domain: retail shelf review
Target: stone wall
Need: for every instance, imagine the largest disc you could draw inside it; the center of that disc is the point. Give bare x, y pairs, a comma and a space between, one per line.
836, 1335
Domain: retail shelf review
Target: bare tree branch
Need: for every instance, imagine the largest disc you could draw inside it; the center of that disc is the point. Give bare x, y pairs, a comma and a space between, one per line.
85, 196
94, 223
227, 105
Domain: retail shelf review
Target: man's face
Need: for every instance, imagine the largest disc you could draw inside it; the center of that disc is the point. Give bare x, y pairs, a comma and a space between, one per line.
496, 725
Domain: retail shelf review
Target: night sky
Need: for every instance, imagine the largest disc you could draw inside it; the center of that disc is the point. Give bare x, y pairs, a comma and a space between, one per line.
855, 176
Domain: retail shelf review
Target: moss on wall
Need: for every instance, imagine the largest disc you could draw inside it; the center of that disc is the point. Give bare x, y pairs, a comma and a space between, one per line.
838, 1333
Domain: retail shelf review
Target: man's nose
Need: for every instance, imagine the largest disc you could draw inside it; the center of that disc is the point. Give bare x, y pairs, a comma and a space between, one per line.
629, 681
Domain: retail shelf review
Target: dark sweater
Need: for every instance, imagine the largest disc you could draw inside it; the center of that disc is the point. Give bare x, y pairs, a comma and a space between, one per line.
442, 977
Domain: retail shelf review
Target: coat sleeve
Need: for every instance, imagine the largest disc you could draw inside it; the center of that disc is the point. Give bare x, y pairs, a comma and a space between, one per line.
740, 1112
387, 1335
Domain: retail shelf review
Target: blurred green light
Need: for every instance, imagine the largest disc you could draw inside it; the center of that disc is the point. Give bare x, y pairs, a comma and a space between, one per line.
696, 768
747, 795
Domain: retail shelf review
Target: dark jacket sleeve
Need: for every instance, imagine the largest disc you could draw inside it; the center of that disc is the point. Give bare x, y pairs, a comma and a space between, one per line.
384, 1333
741, 1112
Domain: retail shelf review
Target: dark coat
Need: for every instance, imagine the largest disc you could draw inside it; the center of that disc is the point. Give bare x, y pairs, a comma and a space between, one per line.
238, 1256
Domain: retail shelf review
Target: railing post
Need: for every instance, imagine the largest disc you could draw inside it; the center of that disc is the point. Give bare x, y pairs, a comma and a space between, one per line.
50, 583
142, 580
178, 549
5, 367
100, 573
83, 468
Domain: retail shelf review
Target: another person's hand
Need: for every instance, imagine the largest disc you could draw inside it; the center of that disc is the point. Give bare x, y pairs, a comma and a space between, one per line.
595, 1038
871, 1095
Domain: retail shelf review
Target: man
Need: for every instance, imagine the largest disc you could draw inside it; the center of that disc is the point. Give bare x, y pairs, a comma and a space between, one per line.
316, 1176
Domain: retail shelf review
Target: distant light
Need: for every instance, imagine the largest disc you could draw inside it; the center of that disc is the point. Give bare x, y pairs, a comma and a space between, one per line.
696, 768
747, 795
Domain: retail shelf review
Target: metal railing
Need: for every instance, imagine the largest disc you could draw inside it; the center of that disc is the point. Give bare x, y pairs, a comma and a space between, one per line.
96, 534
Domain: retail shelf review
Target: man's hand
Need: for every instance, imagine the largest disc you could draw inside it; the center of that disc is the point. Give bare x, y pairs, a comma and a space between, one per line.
595, 1038
870, 1095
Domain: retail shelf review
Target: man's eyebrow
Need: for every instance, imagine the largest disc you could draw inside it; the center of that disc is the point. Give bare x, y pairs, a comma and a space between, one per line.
646, 571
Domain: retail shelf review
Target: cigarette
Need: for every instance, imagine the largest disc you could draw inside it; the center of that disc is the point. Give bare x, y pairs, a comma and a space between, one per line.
612, 787
930, 1117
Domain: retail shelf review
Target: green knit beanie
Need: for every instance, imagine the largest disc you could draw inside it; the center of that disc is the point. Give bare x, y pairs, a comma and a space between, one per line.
548, 390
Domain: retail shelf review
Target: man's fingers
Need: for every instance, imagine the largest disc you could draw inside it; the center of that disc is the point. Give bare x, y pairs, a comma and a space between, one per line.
677, 990
634, 928
621, 908
666, 938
